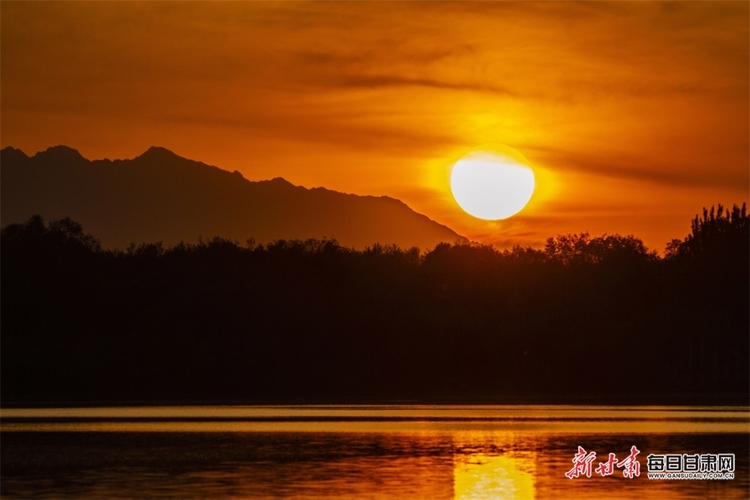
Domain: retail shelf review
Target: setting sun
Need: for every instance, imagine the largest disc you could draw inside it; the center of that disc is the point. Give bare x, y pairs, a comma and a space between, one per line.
491, 186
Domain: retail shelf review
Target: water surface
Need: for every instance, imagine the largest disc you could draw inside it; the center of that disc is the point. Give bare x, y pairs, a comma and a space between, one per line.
435, 452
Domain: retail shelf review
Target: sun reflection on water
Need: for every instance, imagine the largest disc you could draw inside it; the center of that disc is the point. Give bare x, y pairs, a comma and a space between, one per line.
481, 476
493, 465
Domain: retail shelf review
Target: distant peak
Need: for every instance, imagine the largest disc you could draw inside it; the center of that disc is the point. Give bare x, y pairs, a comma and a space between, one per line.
158, 153
10, 150
279, 181
61, 153
158, 150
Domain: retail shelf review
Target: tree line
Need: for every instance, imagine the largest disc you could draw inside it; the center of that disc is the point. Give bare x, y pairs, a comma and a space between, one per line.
584, 319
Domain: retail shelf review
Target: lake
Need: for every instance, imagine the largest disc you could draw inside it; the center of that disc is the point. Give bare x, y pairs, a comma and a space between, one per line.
394, 451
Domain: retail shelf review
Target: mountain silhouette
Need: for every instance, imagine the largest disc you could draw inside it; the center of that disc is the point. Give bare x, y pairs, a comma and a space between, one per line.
160, 196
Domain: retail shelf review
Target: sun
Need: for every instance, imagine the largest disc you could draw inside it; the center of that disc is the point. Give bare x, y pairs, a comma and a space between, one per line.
491, 185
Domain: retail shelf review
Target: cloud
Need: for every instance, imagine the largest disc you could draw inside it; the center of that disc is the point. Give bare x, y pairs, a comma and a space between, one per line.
633, 166
377, 81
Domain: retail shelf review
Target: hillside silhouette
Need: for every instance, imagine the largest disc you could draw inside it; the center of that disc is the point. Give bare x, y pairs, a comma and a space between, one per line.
159, 196
586, 319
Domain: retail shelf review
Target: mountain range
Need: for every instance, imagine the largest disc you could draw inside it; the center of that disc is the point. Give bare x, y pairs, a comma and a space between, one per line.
160, 196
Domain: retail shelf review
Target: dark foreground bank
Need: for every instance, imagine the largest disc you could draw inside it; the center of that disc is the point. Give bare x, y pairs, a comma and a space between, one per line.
586, 320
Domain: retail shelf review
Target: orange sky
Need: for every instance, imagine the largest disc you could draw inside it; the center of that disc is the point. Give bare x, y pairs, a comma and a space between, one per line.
633, 115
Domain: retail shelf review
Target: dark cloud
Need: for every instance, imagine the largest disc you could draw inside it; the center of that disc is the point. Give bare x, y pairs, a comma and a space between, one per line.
377, 81
638, 166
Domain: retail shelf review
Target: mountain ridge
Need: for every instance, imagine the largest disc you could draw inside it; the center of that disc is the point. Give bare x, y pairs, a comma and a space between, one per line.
161, 196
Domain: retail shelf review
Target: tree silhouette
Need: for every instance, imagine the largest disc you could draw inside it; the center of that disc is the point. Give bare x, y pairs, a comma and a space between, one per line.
714, 236
583, 249
312, 321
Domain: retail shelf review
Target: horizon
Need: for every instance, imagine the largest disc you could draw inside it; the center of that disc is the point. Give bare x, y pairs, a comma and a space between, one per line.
536, 245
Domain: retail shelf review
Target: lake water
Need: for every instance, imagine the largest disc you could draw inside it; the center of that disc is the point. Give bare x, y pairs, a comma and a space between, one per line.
423, 452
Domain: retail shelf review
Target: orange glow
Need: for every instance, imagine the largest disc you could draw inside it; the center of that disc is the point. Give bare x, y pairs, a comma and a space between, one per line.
633, 115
